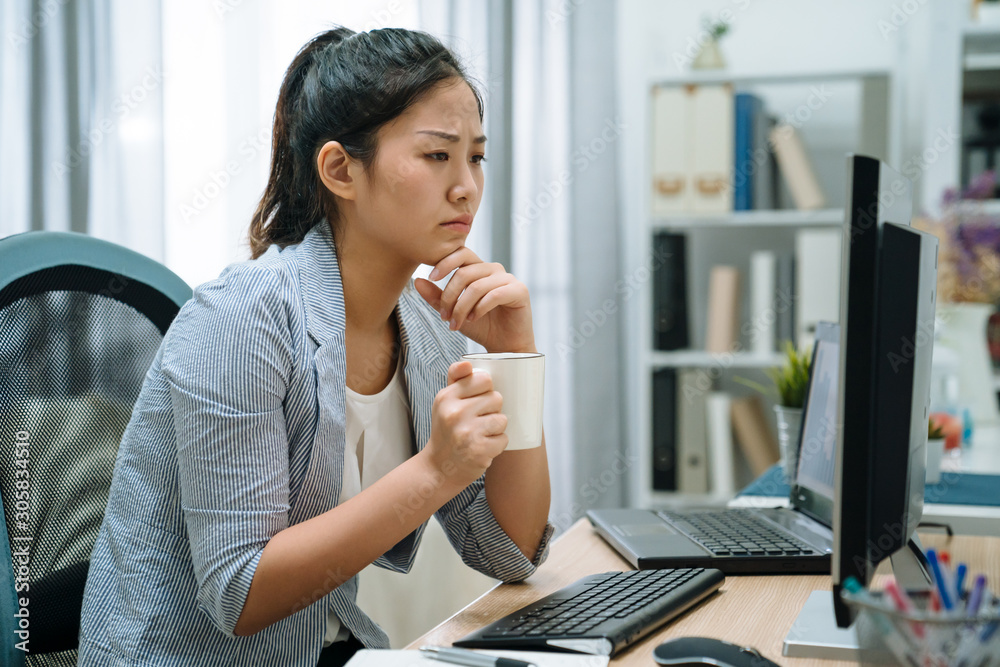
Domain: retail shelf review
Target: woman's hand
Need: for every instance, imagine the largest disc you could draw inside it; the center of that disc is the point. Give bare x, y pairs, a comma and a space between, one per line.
467, 427
482, 301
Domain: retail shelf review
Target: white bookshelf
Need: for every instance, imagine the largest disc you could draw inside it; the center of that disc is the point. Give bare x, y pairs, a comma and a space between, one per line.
829, 217
961, 49
789, 77
702, 359
729, 238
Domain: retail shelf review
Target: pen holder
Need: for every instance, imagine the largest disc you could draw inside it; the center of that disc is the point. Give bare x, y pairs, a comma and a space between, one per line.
923, 637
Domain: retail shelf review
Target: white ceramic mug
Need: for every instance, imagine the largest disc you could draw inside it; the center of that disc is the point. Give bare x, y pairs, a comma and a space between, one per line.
520, 379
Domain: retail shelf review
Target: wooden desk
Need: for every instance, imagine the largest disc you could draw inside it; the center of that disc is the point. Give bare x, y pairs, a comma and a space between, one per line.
756, 611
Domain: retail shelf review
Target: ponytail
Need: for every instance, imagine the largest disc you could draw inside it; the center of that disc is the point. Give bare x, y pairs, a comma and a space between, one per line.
342, 86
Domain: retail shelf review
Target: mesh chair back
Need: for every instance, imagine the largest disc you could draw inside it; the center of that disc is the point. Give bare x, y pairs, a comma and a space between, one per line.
80, 323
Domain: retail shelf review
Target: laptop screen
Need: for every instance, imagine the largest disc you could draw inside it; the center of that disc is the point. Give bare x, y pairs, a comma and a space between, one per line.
812, 491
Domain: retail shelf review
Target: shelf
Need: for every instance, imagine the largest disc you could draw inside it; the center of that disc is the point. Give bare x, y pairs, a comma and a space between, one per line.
972, 208
827, 217
977, 62
981, 47
705, 78
701, 359
979, 35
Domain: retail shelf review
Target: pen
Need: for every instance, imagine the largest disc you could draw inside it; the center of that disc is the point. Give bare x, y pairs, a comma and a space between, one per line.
976, 596
942, 585
461, 656
960, 573
944, 560
904, 605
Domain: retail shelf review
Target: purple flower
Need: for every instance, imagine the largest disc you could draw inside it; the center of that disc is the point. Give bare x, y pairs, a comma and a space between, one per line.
974, 237
982, 186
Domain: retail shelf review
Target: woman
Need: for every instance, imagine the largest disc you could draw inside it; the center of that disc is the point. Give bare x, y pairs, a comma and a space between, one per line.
304, 417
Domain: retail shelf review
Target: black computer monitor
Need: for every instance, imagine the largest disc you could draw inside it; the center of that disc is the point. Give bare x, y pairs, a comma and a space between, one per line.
887, 302
888, 288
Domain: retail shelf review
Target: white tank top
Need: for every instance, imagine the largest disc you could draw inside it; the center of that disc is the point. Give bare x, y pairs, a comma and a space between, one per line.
378, 439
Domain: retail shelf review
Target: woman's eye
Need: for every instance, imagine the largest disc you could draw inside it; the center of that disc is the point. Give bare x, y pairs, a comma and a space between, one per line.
443, 157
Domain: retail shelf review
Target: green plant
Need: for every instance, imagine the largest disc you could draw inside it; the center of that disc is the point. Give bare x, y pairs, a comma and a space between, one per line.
934, 431
715, 29
790, 381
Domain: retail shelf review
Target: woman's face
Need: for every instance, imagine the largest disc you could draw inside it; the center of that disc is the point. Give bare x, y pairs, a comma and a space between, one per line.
427, 172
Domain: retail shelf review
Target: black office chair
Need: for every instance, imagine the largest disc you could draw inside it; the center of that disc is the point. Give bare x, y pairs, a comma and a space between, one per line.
80, 322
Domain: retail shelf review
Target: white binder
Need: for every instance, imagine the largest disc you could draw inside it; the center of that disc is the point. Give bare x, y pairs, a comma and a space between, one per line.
672, 142
713, 149
720, 444
763, 301
692, 431
692, 150
817, 280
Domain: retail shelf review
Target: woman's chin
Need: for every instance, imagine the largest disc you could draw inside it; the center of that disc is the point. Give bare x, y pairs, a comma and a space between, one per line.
433, 258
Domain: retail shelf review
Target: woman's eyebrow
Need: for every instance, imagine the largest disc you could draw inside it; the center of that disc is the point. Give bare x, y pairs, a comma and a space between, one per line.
452, 137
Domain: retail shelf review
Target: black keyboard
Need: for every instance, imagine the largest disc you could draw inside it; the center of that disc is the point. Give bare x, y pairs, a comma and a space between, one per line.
600, 614
735, 533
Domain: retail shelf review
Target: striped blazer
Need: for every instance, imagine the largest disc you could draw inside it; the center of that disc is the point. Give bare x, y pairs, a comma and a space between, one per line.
238, 433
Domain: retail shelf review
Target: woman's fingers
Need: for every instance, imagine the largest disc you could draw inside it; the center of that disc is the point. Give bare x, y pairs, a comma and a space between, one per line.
459, 282
458, 258
508, 293
474, 294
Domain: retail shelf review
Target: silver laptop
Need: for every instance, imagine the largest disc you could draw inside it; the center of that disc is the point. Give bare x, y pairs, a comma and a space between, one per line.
794, 539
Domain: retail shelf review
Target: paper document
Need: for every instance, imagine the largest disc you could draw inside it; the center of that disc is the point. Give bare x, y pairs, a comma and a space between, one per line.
390, 658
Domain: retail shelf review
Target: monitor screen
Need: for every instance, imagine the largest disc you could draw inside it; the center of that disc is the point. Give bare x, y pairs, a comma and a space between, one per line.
819, 426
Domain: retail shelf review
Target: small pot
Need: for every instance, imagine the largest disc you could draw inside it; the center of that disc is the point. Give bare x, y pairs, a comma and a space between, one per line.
709, 56
789, 425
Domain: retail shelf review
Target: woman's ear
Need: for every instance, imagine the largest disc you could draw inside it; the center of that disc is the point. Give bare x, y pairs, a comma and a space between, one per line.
337, 170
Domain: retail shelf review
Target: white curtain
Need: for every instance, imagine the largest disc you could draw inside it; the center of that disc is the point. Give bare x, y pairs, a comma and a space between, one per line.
540, 225
524, 80
225, 61
81, 120
550, 214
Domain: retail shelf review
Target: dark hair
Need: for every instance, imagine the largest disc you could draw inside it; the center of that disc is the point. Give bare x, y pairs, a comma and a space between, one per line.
341, 86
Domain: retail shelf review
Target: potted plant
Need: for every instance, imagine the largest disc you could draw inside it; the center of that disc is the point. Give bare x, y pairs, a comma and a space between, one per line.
791, 382
935, 449
709, 55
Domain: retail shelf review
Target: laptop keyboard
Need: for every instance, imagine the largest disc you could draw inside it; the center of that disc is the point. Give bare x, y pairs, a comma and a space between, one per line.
735, 533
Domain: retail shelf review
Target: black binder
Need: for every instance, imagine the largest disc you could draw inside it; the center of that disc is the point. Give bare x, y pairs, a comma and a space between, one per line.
665, 430
670, 320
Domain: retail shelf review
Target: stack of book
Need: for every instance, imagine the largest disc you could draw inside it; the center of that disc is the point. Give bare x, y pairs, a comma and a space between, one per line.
788, 293
716, 151
697, 431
